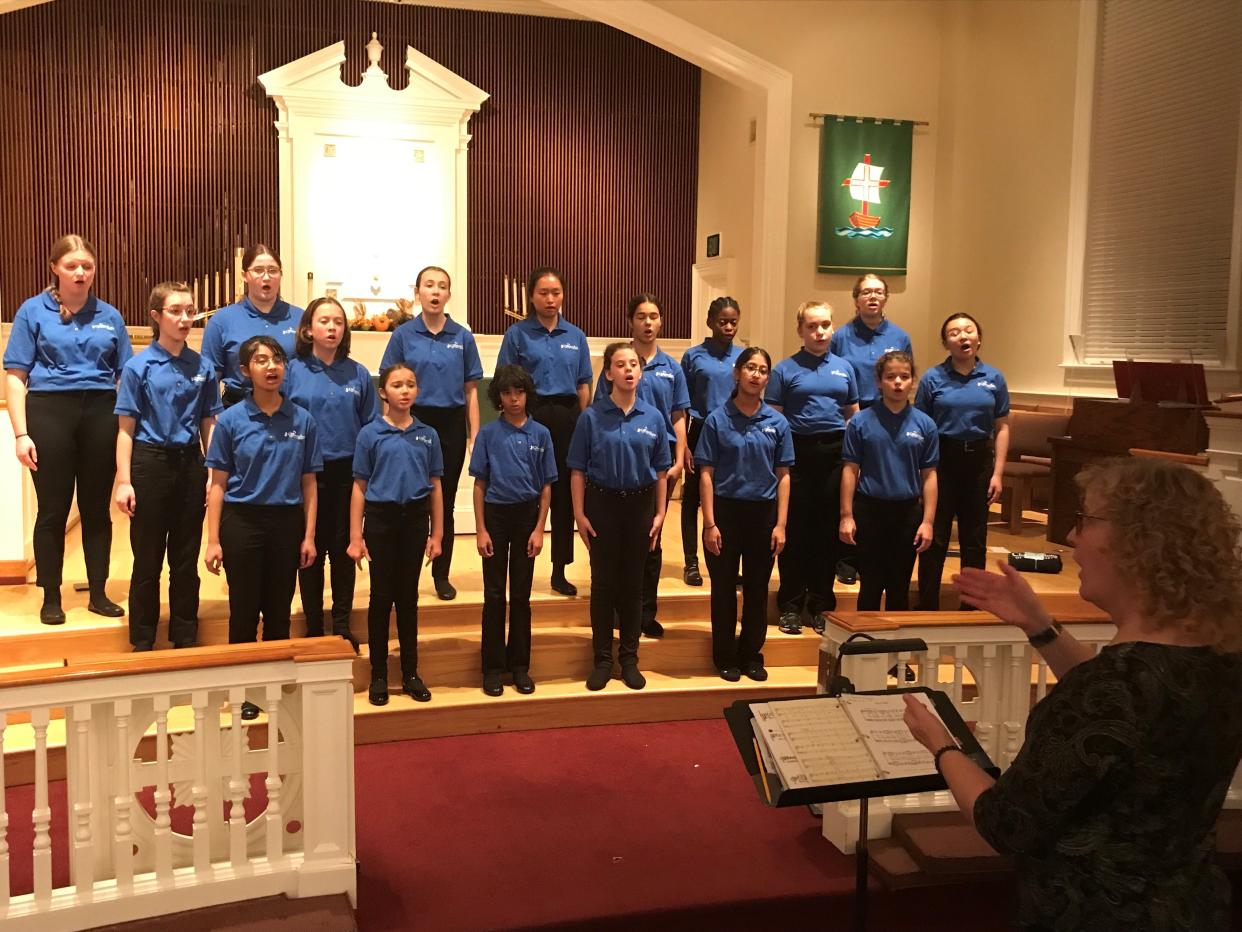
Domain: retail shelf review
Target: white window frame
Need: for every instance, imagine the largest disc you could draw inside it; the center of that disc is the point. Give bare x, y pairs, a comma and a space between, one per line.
1226, 376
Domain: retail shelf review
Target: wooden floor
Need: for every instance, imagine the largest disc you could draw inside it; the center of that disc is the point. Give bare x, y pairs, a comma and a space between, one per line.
682, 682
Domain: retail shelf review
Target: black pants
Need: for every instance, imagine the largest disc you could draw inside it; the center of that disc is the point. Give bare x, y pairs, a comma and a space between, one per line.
618, 552
261, 546
74, 434
450, 424
559, 414
396, 537
652, 565
885, 534
962, 480
808, 562
510, 527
169, 489
690, 499
745, 537
335, 486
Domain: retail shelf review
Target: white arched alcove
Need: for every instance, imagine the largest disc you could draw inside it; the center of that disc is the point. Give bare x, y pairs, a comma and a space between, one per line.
372, 180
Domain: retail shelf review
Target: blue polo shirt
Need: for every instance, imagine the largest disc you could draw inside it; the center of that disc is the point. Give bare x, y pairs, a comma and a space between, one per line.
708, 368
663, 386
863, 347
340, 397
744, 452
85, 354
558, 360
265, 457
812, 390
398, 465
515, 462
168, 396
442, 362
618, 450
964, 407
891, 450
232, 326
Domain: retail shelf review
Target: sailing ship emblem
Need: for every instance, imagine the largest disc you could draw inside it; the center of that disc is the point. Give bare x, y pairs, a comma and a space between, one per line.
865, 185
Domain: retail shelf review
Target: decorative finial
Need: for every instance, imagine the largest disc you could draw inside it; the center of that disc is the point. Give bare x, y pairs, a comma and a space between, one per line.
374, 51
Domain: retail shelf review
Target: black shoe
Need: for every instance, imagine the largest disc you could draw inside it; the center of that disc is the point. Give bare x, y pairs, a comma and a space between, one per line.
349, 636
730, 674
652, 629
631, 677
790, 623
102, 605
599, 677
249, 712
314, 629
142, 648
755, 671
691, 575
492, 685
444, 590
414, 687
819, 621
52, 614
846, 573
378, 693
522, 681
563, 586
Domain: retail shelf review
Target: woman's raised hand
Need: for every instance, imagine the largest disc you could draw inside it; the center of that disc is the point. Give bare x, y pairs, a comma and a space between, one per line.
1005, 594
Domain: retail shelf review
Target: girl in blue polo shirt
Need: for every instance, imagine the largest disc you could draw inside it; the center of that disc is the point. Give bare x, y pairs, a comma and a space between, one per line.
513, 467
663, 386
262, 501
969, 401
65, 354
708, 369
338, 393
869, 335
446, 363
557, 356
744, 455
817, 391
396, 497
261, 312
888, 486
620, 457
167, 407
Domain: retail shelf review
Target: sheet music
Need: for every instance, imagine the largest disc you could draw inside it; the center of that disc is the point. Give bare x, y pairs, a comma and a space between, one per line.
819, 746
878, 720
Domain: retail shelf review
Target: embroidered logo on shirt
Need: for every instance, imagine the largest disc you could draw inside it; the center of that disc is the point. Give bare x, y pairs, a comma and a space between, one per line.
421, 439
535, 449
352, 390
646, 432
456, 346
660, 373
838, 372
293, 435
985, 384
769, 430
569, 346
199, 378
914, 434
289, 330
103, 327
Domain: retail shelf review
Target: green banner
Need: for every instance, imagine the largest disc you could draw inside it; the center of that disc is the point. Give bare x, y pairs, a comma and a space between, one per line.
864, 196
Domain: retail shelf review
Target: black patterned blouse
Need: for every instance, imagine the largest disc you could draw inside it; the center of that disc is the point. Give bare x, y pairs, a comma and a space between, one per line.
1110, 807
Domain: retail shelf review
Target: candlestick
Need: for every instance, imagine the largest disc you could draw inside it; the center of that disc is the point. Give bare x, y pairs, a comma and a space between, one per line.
505, 300
523, 297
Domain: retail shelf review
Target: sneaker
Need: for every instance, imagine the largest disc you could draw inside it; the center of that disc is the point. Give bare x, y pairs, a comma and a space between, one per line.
652, 629
790, 623
691, 575
378, 693
631, 677
414, 687
755, 671
522, 681
492, 685
444, 590
599, 677
730, 674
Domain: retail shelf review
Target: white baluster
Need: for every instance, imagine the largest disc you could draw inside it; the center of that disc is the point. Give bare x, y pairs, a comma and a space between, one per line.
201, 830
4, 826
79, 717
275, 816
1019, 701
237, 785
958, 665
1041, 688
42, 815
163, 796
988, 702
123, 839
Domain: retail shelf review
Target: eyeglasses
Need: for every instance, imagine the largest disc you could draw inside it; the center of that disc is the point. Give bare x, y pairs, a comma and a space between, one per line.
755, 370
868, 292
1081, 518
270, 271
181, 311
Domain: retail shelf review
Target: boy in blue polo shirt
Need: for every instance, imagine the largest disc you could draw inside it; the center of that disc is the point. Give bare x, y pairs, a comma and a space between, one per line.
513, 466
166, 405
890, 453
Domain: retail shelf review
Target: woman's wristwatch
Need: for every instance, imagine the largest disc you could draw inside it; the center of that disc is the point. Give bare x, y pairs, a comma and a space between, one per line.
1047, 636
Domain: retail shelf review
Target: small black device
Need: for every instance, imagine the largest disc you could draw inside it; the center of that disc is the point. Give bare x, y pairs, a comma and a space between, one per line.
1031, 562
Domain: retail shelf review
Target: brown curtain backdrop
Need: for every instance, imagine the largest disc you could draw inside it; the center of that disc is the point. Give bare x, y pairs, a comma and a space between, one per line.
142, 126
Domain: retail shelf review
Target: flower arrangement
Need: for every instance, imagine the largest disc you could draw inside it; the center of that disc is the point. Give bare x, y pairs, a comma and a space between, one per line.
390, 319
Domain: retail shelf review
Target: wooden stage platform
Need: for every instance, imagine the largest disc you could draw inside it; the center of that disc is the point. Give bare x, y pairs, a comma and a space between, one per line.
682, 683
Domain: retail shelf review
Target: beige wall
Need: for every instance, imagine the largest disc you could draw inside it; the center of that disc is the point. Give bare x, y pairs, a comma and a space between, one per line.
989, 214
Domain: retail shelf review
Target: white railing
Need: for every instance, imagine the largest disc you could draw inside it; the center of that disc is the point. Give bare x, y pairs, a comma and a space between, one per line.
996, 657
171, 723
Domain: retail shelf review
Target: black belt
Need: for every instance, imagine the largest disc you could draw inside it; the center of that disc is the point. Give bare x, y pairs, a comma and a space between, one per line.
168, 452
563, 401
826, 437
978, 445
619, 493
